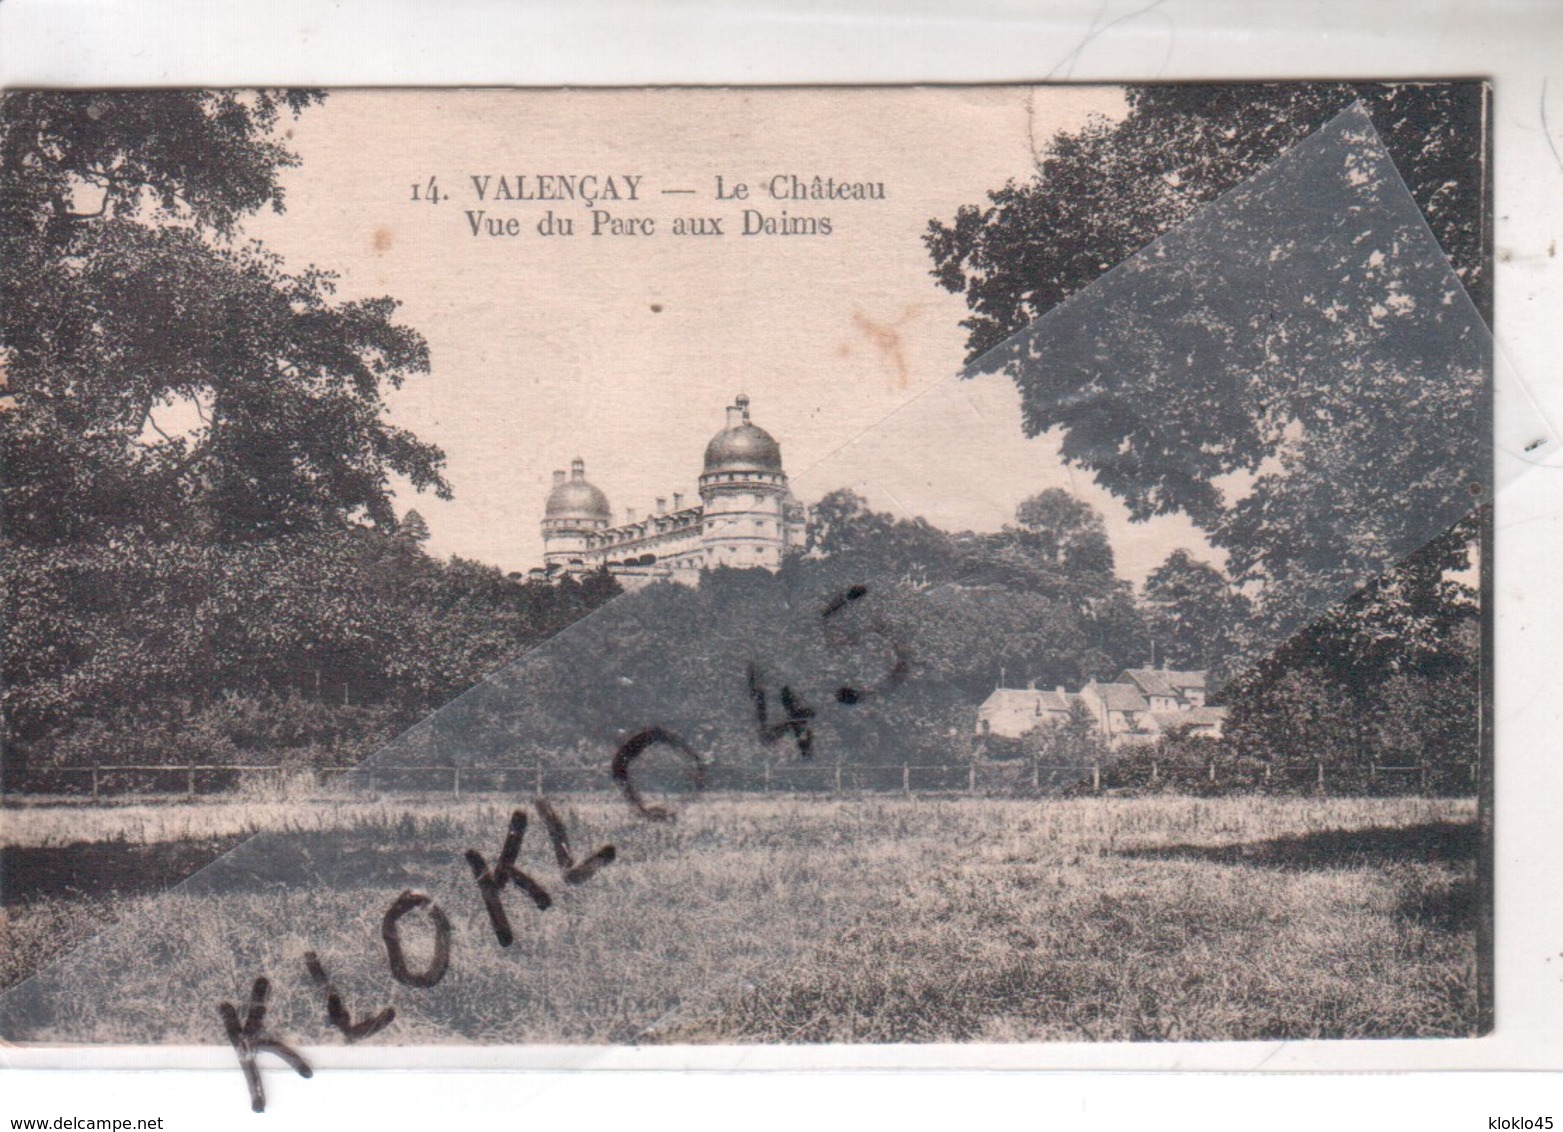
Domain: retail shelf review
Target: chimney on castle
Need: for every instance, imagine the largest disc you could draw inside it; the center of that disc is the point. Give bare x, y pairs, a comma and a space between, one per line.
662, 505
558, 478
678, 501
577, 469
629, 514
735, 416
743, 406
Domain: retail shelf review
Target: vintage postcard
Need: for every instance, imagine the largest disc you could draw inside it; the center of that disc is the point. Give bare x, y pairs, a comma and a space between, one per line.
747, 566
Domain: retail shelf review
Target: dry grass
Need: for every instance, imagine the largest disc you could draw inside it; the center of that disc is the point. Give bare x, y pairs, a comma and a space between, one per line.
159, 823
772, 919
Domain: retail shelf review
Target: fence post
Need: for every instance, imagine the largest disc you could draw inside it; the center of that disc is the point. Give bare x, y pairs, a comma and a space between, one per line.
1423, 777
906, 778
94, 782
1473, 773
1036, 775
767, 788
1267, 774
1321, 774
190, 781
1155, 771
971, 779
537, 780
838, 778
455, 781
1372, 772
1096, 777
1212, 770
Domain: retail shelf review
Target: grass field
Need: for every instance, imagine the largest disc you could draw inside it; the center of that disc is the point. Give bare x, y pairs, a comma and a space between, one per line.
881, 919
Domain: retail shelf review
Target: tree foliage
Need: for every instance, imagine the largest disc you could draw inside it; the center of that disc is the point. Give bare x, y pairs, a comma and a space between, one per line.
1395, 672
1292, 365
198, 459
882, 663
126, 299
1195, 617
1105, 191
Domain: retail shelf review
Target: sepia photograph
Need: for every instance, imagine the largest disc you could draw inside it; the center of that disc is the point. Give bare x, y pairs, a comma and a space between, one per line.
728, 566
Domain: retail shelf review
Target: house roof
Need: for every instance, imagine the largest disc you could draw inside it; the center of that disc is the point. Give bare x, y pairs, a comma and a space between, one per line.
1025, 699
1118, 697
1163, 681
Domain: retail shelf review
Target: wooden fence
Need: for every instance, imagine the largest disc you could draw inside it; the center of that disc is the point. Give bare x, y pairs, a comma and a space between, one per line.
995, 778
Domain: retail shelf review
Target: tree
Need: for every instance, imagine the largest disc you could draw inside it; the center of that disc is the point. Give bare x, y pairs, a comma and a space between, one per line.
1067, 747
862, 545
1302, 714
1419, 618
1432, 722
195, 438
1194, 616
126, 297
1065, 533
1057, 549
1277, 414
1395, 668
842, 520
1111, 188
414, 528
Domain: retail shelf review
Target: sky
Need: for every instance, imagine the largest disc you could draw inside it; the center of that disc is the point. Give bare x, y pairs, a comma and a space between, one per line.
624, 349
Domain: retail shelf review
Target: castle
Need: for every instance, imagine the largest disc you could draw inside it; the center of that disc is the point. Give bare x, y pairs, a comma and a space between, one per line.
747, 517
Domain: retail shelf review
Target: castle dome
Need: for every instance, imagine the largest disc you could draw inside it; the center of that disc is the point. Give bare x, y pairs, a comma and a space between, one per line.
574, 498
742, 446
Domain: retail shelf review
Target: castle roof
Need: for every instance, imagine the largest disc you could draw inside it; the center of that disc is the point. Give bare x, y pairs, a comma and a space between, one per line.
742, 446
574, 498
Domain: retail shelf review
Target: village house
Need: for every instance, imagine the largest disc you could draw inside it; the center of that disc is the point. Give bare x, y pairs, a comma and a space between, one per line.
1142, 705
1121, 712
1166, 689
1011, 712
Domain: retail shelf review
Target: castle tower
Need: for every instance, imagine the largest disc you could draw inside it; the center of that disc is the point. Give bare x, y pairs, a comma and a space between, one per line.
575, 512
750, 518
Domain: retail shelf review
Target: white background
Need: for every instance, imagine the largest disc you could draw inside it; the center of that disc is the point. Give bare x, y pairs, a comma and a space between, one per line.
184, 42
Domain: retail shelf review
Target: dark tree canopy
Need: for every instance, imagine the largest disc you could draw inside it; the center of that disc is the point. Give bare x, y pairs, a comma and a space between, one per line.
1102, 194
73, 157
197, 451
1064, 532
1195, 617
124, 296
